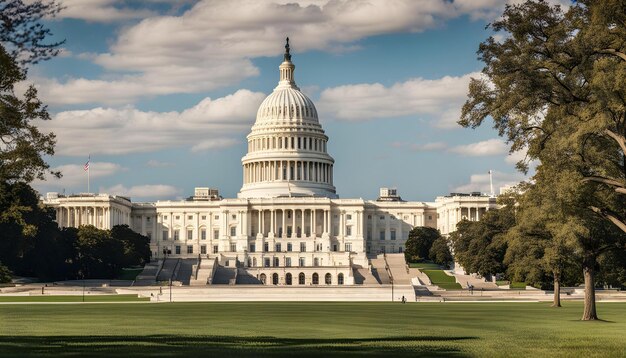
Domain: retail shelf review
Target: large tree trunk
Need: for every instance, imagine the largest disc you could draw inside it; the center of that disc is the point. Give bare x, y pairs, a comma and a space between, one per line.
589, 313
557, 290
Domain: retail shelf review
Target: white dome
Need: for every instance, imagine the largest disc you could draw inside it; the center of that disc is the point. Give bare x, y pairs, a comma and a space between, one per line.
287, 153
287, 103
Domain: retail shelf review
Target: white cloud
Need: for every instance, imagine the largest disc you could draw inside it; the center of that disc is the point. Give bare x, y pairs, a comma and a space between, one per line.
480, 149
480, 182
439, 99
153, 163
211, 44
208, 125
515, 157
75, 174
425, 147
143, 191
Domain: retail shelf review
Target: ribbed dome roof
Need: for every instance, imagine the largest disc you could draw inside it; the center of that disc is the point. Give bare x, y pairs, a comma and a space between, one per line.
287, 103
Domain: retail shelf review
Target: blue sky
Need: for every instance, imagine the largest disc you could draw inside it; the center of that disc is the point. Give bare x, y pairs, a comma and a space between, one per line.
163, 93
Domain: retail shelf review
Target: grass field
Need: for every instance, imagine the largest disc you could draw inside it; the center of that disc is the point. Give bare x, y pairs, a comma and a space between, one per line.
311, 329
73, 298
441, 279
129, 273
424, 265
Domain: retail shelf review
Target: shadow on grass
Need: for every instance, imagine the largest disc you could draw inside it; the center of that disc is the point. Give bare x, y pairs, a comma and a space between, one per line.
171, 345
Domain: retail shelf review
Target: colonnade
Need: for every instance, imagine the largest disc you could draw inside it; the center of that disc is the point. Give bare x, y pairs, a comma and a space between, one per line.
288, 142
98, 216
281, 170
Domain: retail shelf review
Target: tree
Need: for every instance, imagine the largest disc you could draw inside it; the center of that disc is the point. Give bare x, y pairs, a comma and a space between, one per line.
136, 246
480, 246
540, 250
23, 33
557, 82
5, 274
98, 254
440, 252
420, 241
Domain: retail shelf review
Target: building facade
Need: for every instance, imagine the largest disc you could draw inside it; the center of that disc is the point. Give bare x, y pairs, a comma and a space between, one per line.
287, 222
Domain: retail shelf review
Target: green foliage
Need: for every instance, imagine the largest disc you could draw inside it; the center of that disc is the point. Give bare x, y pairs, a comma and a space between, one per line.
5, 274
136, 246
440, 252
480, 246
421, 239
443, 280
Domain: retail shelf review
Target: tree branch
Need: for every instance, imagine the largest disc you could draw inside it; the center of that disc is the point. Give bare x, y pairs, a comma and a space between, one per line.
612, 51
610, 216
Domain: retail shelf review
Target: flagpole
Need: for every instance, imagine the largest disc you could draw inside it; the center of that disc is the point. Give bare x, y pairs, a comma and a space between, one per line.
88, 179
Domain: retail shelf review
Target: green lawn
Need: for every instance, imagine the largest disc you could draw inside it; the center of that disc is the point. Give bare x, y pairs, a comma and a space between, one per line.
424, 265
513, 285
311, 329
88, 298
441, 279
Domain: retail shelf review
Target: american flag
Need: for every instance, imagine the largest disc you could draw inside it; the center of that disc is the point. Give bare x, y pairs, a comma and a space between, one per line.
86, 167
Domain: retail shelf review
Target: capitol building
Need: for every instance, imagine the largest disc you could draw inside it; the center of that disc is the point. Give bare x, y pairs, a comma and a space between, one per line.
288, 225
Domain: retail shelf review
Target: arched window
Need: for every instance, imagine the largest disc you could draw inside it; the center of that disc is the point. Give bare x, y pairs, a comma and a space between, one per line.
301, 279
316, 279
340, 279
288, 279
328, 279
263, 278
275, 279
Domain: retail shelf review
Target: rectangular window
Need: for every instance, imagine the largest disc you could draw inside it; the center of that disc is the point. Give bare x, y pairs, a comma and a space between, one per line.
393, 234
276, 262
252, 247
348, 217
177, 250
164, 217
189, 249
369, 233
266, 262
216, 217
215, 249
148, 219
278, 247
189, 234
348, 230
382, 235
177, 217
176, 234
216, 234
349, 247
189, 217
233, 247
430, 217
303, 247
289, 246
382, 218
203, 234
266, 247
233, 231
288, 261
301, 261
165, 235
203, 217
203, 249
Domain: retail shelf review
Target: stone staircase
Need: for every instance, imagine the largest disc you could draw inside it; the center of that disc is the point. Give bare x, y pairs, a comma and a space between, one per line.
167, 272
477, 282
224, 275
205, 272
362, 276
379, 271
148, 276
185, 271
399, 269
245, 278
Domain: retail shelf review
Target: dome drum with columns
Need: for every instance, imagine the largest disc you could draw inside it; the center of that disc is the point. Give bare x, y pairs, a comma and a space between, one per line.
287, 154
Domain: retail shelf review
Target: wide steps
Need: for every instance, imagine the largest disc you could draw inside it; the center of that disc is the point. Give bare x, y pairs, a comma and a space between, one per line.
224, 275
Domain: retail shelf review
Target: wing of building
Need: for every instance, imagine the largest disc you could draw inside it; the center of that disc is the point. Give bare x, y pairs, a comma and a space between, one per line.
287, 224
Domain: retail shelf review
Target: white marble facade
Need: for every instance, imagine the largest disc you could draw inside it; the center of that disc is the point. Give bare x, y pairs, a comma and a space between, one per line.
287, 213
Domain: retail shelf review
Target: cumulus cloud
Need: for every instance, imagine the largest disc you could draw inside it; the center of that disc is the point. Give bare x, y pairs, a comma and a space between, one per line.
425, 147
75, 174
212, 123
439, 99
480, 149
153, 163
480, 182
211, 44
143, 191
